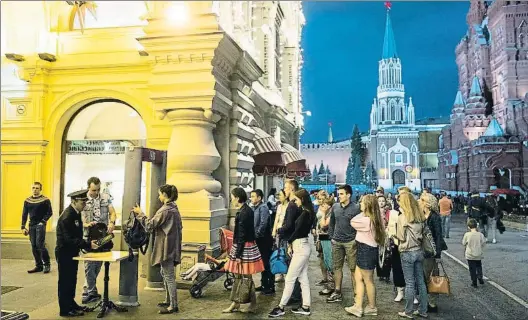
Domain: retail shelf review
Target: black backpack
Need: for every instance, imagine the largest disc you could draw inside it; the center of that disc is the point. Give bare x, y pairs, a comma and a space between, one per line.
136, 236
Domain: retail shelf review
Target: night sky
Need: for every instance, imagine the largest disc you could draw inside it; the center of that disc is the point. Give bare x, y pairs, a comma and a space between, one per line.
342, 44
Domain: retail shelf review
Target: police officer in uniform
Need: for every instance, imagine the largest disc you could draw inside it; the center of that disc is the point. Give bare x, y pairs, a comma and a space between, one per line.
69, 242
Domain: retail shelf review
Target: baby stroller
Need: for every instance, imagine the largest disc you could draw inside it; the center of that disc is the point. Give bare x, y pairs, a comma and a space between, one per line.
216, 266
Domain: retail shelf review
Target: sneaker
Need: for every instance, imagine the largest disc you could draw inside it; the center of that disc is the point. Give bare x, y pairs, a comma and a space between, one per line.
321, 283
494, 241
277, 312
481, 281
405, 315
335, 297
325, 292
416, 301
432, 309
354, 310
369, 311
267, 292
47, 268
91, 298
421, 315
302, 310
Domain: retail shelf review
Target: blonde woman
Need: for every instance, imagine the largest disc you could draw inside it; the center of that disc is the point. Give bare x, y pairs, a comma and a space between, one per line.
282, 204
409, 232
430, 207
370, 235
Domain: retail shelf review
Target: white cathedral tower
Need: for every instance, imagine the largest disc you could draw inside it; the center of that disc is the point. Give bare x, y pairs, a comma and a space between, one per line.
389, 108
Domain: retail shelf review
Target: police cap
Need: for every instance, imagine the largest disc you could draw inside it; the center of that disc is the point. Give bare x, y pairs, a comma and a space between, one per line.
79, 195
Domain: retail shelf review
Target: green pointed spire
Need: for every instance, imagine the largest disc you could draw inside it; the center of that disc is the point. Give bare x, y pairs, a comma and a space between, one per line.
389, 44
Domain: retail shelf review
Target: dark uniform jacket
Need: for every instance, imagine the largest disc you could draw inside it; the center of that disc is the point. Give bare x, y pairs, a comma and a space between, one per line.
434, 222
70, 233
476, 207
244, 229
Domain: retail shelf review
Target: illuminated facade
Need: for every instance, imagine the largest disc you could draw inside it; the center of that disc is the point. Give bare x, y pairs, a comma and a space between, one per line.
486, 144
194, 78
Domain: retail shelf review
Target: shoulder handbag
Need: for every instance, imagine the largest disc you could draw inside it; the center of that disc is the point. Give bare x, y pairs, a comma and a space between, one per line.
241, 292
439, 284
428, 243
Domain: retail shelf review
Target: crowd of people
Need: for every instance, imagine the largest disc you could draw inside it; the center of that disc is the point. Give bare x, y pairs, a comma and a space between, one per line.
377, 233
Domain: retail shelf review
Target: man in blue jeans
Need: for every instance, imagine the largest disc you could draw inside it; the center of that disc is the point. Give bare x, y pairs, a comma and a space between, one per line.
264, 240
38, 209
446, 207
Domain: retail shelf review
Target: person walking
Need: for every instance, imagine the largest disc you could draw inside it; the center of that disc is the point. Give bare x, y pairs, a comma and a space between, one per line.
343, 237
474, 243
300, 248
370, 235
69, 242
409, 230
244, 258
446, 208
38, 208
494, 215
166, 225
429, 206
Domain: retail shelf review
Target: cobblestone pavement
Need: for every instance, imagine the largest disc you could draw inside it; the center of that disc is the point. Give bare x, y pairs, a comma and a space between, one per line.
38, 295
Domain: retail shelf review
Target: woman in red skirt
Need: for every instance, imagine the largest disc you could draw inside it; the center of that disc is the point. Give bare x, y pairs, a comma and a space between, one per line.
244, 258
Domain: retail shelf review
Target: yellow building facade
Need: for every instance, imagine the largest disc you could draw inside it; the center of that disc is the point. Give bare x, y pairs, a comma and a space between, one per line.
200, 75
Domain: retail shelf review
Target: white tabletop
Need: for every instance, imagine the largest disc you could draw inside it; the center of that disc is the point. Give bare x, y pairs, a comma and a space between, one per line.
110, 256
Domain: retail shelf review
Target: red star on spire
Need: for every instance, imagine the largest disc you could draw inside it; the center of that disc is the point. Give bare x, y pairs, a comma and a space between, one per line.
388, 5
330, 124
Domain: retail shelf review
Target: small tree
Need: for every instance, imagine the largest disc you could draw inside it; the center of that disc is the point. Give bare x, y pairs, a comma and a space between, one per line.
314, 174
357, 146
322, 168
328, 170
370, 174
354, 171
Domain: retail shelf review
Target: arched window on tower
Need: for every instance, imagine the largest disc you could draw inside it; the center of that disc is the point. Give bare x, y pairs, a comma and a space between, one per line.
392, 110
522, 40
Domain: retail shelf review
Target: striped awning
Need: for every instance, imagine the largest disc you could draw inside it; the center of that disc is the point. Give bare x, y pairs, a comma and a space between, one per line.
268, 155
295, 162
264, 142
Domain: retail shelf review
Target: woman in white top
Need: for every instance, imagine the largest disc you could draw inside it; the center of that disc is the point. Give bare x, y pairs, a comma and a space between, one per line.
282, 204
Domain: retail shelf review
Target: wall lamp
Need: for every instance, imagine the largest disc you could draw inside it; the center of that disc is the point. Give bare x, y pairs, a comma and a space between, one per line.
143, 53
47, 57
15, 57
308, 113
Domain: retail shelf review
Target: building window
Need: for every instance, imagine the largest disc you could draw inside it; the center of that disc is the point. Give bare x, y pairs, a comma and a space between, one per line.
278, 80
398, 159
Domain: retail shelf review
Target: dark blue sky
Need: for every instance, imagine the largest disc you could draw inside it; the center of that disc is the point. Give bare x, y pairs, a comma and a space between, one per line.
343, 42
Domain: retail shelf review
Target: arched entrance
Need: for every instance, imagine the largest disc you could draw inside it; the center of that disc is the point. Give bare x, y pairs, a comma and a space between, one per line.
398, 178
94, 144
502, 178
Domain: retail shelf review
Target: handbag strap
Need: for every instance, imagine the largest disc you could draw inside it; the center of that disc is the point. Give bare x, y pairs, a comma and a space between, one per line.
436, 267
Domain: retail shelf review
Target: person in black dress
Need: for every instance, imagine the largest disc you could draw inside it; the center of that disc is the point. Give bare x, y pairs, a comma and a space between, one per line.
69, 242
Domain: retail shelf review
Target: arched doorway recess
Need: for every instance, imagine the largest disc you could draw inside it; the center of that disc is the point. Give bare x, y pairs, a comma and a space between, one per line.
94, 143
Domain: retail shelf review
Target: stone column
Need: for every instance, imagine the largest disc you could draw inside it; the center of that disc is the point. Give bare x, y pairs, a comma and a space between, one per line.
191, 158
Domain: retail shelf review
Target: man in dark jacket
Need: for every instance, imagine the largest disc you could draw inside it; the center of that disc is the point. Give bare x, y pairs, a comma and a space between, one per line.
69, 242
264, 240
